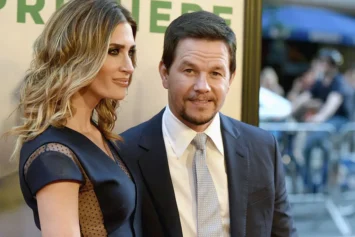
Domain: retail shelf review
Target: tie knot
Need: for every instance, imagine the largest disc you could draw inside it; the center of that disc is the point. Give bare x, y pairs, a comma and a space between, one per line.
200, 141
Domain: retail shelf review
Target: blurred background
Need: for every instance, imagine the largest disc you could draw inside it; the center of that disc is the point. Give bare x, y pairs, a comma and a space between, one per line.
307, 102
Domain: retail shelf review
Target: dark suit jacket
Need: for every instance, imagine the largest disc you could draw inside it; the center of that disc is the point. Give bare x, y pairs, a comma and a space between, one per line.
257, 195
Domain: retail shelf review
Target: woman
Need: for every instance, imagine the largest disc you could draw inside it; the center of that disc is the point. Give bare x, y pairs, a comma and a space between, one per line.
70, 173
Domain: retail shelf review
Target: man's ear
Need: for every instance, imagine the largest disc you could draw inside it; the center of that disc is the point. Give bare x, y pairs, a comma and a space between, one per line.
231, 79
164, 74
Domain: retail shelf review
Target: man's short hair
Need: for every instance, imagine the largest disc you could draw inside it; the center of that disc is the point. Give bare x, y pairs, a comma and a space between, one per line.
198, 25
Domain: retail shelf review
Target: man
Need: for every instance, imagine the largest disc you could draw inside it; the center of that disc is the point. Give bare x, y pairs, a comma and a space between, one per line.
332, 97
203, 173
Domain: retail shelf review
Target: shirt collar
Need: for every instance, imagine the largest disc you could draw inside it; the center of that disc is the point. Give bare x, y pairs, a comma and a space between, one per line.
214, 132
180, 135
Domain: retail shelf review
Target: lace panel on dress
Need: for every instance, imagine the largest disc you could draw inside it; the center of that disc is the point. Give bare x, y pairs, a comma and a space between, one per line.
119, 162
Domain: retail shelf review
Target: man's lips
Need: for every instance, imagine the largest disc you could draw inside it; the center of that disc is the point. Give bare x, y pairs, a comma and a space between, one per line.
201, 101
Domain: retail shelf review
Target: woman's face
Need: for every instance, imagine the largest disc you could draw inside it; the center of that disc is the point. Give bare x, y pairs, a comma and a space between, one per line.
113, 78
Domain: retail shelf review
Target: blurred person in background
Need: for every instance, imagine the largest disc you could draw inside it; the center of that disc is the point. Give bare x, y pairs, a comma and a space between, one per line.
71, 174
269, 80
299, 86
331, 90
273, 107
302, 84
306, 80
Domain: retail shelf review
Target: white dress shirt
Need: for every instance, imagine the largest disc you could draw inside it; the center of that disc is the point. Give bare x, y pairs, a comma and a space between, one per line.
180, 152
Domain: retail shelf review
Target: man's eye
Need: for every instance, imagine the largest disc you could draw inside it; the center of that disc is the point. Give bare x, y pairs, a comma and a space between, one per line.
216, 74
189, 70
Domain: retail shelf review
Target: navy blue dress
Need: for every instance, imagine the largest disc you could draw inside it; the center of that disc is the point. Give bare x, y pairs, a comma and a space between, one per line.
107, 195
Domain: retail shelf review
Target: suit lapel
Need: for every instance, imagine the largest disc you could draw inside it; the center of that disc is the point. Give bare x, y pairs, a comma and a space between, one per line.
237, 164
155, 172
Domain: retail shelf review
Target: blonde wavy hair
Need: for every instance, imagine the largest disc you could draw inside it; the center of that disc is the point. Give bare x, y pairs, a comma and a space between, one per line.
67, 56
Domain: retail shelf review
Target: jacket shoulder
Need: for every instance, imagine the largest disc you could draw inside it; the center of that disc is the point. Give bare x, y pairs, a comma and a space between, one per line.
133, 133
252, 133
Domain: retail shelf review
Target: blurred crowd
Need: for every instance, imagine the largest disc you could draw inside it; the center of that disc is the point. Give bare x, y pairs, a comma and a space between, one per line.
322, 94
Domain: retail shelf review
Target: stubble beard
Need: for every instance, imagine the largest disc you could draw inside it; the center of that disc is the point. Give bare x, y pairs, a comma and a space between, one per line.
196, 120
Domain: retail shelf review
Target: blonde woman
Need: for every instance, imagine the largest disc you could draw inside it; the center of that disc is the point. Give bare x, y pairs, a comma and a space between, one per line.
70, 172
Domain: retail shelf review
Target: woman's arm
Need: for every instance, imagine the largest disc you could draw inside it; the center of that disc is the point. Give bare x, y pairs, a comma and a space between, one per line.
59, 209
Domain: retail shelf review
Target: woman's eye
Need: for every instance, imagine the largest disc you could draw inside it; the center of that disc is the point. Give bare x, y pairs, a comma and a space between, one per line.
114, 51
131, 53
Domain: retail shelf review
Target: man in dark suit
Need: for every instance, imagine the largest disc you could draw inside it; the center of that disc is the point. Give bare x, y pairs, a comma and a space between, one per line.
199, 172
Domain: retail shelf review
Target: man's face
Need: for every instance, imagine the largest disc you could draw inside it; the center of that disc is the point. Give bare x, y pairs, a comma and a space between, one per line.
198, 81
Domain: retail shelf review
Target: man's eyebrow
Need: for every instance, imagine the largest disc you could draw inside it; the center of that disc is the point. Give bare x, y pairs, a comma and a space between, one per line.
218, 67
187, 63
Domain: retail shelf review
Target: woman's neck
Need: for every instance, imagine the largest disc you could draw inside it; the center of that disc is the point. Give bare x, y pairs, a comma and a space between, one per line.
84, 105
